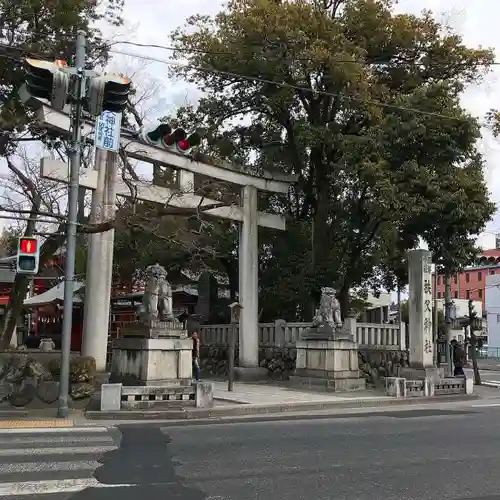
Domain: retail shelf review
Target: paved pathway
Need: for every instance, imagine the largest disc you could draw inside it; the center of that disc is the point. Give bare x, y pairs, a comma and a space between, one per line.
52, 462
281, 394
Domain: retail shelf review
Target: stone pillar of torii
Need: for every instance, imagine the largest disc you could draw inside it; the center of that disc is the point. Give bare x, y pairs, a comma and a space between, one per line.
95, 340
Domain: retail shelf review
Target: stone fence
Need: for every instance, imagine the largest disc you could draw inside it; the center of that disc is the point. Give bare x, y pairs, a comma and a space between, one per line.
281, 334
382, 348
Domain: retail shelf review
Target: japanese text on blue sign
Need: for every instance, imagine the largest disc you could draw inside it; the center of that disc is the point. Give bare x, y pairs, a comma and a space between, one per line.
107, 134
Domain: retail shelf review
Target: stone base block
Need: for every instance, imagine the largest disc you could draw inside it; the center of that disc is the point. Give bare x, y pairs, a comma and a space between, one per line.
469, 380
250, 374
327, 332
395, 387
204, 394
141, 361
328, 384
329, 364
155, 330
111, 397
154, 396
420, 388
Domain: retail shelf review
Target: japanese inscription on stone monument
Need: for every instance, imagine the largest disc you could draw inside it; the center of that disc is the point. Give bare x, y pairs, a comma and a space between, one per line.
427, 275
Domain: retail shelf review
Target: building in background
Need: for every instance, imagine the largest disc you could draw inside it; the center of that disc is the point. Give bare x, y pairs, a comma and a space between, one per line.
471, 282
493, 312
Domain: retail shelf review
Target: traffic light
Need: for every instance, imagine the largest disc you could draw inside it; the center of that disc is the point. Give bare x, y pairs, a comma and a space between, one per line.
107, 93
28, 255
174, 140
46, 80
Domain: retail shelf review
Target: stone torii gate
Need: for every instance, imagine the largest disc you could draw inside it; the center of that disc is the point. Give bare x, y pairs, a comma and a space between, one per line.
247, 214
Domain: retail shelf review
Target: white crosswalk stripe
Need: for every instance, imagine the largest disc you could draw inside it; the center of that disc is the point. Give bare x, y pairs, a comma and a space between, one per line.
53, 463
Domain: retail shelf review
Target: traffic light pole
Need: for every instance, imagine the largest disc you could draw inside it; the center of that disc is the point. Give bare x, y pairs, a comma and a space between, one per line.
69, 270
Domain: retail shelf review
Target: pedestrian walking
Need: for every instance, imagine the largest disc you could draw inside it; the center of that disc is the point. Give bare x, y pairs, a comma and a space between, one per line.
459, 359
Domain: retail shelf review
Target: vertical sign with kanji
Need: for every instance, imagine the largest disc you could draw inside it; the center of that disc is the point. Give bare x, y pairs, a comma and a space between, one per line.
420, 308
107, 131
427, 277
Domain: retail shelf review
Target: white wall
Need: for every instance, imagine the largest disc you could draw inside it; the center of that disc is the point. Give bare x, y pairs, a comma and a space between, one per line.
492, 304
462, 307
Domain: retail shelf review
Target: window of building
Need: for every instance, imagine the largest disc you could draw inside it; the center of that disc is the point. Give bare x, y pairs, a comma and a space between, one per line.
440, 279
439, 295
467, 294
479, 276
467, 277
492, 271
480, 293
456, 295
498, 318
455, 279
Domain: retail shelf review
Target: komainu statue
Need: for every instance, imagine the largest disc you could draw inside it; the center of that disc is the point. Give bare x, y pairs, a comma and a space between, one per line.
157, 299
328, 312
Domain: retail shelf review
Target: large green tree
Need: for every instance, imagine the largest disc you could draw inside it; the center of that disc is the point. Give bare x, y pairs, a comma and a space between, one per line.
364, 105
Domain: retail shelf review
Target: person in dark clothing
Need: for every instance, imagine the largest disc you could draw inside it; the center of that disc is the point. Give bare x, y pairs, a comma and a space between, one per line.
458, 356
33, 341
196, 355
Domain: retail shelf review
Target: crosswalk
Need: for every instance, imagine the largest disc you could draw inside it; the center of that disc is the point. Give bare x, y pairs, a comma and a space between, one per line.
54, 461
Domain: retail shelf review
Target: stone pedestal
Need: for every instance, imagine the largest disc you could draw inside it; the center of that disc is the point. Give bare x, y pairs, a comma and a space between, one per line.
152, 361
328, 359
155, 330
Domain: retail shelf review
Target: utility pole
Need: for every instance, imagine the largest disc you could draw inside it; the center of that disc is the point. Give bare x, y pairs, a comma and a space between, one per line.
86, 91
69, 267
448, 320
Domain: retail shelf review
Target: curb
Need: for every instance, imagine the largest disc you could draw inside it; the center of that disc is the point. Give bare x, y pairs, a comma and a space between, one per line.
489, 383
194, 414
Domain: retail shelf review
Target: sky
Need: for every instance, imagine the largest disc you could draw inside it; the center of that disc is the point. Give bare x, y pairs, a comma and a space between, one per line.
151, 21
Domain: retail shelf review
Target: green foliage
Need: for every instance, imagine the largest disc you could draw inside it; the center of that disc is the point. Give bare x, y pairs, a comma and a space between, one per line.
8, 241
361, 103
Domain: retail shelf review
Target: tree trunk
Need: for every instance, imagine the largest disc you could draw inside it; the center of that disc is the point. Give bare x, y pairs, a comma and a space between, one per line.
343, 298
473, 343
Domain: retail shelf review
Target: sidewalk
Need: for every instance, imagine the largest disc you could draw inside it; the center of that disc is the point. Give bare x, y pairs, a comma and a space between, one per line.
281, 394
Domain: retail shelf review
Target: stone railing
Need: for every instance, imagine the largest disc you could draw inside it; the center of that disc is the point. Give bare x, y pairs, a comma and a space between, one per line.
284, 335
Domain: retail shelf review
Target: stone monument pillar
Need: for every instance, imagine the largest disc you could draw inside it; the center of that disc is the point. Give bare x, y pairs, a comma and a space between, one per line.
420, 308
155, 349
420, 315
327, 353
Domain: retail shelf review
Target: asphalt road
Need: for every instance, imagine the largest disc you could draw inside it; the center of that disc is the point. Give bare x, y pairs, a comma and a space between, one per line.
395, 455
492, 375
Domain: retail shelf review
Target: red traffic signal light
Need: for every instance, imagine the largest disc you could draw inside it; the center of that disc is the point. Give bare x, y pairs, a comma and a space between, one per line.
28, 245
173, 140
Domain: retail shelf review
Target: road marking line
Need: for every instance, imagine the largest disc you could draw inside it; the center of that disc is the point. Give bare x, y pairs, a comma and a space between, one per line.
486, 405
51, 487
28, 430
49, 466
69, 450
6, 439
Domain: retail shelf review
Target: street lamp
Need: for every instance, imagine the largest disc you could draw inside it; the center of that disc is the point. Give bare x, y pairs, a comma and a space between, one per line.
235, 308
